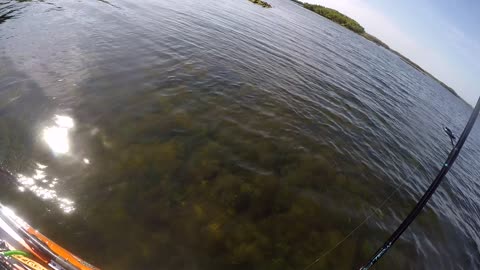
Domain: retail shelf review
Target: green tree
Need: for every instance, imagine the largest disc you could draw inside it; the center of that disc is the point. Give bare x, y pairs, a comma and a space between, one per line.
337, 17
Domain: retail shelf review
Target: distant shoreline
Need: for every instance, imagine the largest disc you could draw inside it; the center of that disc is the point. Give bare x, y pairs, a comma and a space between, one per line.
355, 27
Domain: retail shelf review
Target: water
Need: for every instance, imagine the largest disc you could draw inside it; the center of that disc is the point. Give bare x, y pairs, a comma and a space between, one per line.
220, 135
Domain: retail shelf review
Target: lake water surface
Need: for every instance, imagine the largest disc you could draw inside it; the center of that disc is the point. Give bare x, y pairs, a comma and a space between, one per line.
183, 134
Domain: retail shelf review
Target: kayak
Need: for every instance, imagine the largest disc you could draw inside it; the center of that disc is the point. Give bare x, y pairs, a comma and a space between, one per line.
24, 248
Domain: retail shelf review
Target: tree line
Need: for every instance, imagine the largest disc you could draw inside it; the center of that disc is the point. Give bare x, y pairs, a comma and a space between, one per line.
336, 16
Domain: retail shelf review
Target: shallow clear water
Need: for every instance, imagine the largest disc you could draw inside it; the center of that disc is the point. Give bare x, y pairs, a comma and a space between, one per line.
221, 135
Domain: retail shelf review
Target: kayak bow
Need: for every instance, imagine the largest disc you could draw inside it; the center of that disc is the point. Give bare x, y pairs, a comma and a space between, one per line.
18, 236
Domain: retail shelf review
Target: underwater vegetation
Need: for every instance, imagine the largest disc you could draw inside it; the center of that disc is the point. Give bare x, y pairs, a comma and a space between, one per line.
214, 142
178, 179
189, 176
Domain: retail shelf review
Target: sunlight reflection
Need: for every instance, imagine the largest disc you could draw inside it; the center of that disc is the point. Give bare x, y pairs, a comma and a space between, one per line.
43, 187
64, 121
57, 137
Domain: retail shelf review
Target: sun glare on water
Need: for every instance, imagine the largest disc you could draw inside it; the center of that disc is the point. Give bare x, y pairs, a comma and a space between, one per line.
57, 136
43, 187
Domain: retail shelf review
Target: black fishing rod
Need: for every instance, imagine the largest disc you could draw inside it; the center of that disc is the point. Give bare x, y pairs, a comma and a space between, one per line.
423, 201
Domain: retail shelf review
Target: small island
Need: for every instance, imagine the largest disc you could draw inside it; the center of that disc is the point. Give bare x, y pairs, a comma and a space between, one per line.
261, 3
337, 17
354, 26
343, 20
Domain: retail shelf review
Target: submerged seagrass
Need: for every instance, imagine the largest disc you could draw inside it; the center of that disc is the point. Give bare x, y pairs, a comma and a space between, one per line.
217, 141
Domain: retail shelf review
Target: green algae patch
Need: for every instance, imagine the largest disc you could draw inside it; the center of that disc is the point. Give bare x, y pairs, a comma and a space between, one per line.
222, 179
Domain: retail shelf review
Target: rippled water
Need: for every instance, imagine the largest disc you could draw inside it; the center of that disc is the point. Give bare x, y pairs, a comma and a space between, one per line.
220, 135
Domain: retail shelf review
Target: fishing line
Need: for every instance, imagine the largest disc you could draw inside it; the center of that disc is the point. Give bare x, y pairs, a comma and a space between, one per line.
420, 204
428, 194
373, 213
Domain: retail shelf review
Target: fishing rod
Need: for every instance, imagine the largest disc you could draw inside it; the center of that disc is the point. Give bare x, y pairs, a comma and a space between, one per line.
423, 201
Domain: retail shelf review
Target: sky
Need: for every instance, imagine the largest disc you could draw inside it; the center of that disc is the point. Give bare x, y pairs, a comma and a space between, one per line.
442, 36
